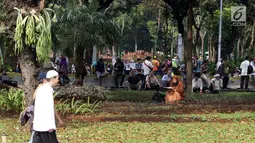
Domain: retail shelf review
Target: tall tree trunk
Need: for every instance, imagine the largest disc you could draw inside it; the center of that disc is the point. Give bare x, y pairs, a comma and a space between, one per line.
189, 48
166, 39
79, 65
88, 56
135, 43
214, 54
252, 37
210, 49
29, 74
202, 36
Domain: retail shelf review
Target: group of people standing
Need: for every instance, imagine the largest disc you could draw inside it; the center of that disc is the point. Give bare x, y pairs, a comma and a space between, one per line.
202, 83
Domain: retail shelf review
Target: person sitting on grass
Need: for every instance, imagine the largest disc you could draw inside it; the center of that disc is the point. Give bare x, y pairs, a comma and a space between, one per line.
167, 78
4, 76
151, 81
175, 91
197, 84
134, 82
216, 84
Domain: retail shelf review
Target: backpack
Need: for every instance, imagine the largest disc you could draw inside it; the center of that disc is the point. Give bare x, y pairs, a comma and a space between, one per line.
250, 69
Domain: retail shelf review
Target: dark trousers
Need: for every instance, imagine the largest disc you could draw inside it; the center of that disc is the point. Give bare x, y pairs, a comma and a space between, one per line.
246, 79
225, 81
45, 137
212, 90
116, 79
195, 89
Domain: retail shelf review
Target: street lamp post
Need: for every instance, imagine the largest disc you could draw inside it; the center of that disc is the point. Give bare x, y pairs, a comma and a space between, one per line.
219, 44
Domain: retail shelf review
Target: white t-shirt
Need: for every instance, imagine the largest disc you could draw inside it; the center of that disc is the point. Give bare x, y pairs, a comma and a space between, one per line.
146, 69
44, 115
197, 83
244, 67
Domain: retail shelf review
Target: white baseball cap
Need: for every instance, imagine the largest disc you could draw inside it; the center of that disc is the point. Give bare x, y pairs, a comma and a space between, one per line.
51, 74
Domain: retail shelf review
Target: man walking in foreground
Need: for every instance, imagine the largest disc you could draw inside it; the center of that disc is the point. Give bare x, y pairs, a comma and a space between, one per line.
44, 114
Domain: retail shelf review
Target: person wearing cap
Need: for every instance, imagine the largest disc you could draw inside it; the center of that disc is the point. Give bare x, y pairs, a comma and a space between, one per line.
44, 112
216, 84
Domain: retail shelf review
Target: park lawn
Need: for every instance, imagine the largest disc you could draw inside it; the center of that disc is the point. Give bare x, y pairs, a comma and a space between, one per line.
130, 117
137, 132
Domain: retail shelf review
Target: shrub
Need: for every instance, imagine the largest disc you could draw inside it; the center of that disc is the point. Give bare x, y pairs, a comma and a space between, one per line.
76, 106
212, 67
11, 100
95, 93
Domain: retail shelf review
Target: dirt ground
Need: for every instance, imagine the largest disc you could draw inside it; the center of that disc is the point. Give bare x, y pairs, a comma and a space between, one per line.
149, 112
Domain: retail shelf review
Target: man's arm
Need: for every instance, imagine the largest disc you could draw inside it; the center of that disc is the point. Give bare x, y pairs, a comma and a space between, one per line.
60, 121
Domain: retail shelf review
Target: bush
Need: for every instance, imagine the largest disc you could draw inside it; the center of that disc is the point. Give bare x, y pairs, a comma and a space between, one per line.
212, 67
95, 93
11, 100
76, 106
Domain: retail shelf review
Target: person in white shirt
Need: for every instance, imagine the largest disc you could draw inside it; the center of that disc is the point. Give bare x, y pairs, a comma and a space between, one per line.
216, 84
244, 73
197, 84
132, 64
44, 113
147, 66
127, 67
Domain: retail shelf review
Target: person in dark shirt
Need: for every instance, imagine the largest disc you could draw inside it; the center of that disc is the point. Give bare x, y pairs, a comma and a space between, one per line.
134, 81
118, 72
223, 72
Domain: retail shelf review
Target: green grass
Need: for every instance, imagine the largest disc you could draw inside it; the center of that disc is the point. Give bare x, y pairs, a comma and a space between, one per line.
137, 132
132, 96
224, 117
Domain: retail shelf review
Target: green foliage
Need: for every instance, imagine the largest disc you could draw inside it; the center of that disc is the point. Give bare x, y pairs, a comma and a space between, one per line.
93, 92
212, 67
89, 27
11, 100
37, 32
76, 106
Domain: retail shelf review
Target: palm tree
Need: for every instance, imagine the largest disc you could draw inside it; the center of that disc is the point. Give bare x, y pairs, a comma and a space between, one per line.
89, 28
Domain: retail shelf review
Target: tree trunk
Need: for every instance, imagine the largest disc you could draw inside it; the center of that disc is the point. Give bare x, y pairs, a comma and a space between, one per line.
88, 55
135, 43
79, 66
252, 37
189, 48
210, 49
202, 36
29, 74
